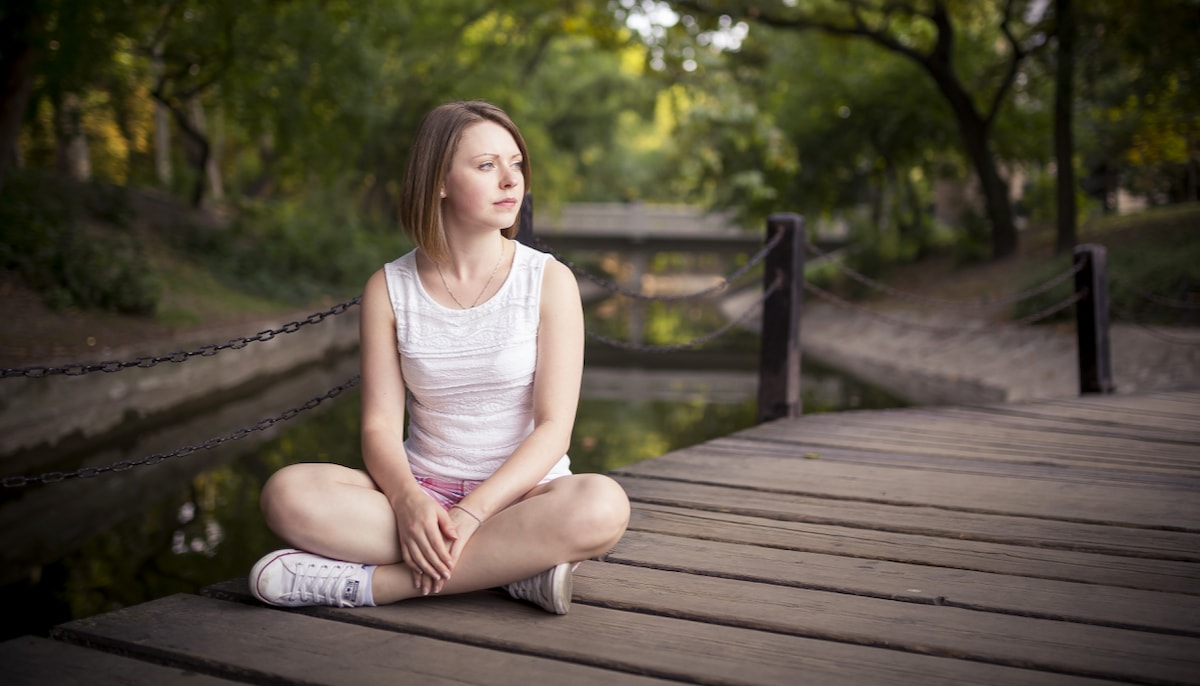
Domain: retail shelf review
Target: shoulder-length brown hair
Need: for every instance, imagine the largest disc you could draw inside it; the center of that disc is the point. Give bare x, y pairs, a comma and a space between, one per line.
429, 162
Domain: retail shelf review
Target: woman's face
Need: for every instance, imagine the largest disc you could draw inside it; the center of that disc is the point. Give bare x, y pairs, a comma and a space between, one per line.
485, 186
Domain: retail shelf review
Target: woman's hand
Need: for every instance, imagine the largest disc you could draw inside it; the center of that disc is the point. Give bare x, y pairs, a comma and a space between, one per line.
427, 533
465, 526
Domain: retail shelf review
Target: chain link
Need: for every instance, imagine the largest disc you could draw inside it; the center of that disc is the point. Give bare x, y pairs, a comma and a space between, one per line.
1051, 310
79, 369
720, 286
1125, 316
1158, 299
978, 304
944, 330
123, 465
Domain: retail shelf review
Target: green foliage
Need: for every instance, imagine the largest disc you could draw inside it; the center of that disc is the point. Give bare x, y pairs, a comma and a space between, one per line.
973, 244
744, 116
297, 250
44, 237
1150, 255
873, 252
1139, 98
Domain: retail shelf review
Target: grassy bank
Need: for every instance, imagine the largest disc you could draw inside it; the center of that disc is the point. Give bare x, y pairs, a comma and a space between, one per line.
88, 268
1152, 256
1153, 261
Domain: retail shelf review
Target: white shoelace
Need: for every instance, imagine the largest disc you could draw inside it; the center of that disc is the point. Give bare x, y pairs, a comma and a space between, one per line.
323, 583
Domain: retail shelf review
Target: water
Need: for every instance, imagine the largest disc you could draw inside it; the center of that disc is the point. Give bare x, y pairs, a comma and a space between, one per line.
87, 546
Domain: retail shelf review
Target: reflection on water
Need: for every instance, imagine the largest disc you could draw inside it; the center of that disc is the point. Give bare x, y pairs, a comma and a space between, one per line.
184, 524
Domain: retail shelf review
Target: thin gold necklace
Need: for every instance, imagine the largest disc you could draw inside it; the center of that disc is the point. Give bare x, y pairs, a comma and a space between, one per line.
485, 286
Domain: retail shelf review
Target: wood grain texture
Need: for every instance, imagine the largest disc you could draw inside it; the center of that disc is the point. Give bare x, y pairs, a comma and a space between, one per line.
1053, 542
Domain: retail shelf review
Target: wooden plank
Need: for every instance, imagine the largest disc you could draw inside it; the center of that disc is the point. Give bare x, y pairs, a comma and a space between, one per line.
1039, 446
1166, 427
1139, 460
34, 661
1150, 611
1052, 646
1097, 503
1040, 468
988, 425
653, 642
258, 643
949, 553
1180, 403
929, 521
1118, 414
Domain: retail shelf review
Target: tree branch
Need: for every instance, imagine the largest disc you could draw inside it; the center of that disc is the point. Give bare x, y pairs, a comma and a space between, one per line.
860, 29
1018, 54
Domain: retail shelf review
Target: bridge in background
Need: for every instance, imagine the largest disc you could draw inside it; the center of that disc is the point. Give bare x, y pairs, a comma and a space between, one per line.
658, 228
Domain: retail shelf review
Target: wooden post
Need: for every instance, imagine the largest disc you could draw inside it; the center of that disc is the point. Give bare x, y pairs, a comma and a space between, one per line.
1091, 320
525, 230
779, 359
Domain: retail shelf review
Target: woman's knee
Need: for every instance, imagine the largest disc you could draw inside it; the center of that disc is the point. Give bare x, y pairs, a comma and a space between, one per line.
602, 510
284, 495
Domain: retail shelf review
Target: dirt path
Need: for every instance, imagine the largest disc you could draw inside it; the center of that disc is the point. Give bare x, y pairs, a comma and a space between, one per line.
932, 355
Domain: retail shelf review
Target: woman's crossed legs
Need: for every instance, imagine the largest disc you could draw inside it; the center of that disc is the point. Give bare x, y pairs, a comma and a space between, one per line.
338, 513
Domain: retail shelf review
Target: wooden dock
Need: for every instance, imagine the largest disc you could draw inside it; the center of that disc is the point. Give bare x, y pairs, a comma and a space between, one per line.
1054, 542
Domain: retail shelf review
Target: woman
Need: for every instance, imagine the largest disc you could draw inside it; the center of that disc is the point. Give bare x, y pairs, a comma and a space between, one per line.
480, 339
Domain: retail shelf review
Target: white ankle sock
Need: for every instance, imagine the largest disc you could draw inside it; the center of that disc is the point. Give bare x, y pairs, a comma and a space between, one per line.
368, 593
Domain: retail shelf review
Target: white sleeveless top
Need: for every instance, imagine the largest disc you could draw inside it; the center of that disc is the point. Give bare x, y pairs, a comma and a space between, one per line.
469, 373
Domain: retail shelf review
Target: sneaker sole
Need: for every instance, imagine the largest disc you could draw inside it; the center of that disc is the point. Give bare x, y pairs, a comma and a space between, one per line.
564, 586
257, 570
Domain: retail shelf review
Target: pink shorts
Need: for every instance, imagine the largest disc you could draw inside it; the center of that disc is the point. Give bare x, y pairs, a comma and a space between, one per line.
450, 492
447, 492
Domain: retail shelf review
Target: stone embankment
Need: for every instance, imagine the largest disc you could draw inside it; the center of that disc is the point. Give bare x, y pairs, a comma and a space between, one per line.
945, 359
40, 412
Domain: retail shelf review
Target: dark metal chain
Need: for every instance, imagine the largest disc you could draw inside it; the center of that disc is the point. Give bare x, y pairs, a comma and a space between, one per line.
1158, 299
945, 330
979, 304
696, 342
1150, 330
720, 286
123, 465
1051, 310
37, 372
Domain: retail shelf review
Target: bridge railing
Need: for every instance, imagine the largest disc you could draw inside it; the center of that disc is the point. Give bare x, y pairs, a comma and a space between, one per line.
782, 254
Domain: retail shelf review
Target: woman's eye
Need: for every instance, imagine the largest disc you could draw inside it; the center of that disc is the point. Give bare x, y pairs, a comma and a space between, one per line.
487, 165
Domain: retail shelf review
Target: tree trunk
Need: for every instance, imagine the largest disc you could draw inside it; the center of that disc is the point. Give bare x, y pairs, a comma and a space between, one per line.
74, 158
212, 172
1064, 144
162, 128
17, 59
196, 144
975, 131
974, 127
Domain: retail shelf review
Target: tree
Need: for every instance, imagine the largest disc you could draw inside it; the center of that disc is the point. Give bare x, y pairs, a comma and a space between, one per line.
1064, 138
19, 25
930, 34
1139, 97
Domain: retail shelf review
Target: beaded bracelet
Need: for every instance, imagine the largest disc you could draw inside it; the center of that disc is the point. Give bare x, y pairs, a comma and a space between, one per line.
470, 514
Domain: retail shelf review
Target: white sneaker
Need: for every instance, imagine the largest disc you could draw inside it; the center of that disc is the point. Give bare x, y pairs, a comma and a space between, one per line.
293, 578
550, 590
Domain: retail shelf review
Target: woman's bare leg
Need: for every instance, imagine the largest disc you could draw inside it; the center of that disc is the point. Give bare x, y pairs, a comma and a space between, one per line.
345, 517
332, 511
